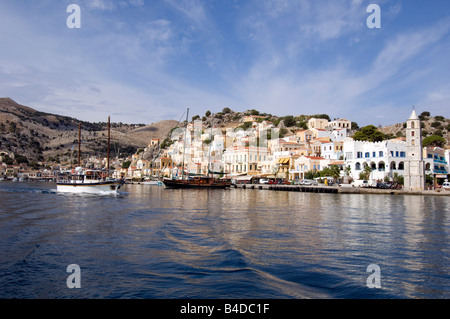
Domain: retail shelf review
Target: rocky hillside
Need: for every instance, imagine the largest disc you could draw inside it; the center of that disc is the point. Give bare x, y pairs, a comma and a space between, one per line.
431, 125
46, 137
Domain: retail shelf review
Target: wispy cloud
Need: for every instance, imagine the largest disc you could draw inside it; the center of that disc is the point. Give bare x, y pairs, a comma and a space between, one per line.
153, 59
344, 89
110, 5
193, 10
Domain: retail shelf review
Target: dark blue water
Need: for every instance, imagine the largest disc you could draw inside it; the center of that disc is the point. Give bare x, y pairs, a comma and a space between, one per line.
151, 242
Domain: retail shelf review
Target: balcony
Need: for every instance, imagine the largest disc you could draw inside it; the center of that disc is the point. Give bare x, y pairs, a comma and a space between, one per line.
440, 161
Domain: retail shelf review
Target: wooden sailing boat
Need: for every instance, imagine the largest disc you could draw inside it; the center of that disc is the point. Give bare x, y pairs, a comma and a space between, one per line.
208, 181
94, 181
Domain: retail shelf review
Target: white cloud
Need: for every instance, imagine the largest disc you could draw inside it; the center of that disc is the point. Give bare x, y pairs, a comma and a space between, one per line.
301, 57
340, 89
110, 5
193, 10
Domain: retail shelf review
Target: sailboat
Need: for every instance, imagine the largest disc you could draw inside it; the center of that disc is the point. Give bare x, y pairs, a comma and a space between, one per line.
93, 181
196, 181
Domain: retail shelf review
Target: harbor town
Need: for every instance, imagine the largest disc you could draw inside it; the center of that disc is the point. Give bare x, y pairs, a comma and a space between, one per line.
324, 153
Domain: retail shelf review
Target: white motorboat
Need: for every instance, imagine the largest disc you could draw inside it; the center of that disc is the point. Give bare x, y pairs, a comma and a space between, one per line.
91, 181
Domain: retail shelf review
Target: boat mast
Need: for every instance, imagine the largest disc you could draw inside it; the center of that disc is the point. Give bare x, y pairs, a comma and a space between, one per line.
109, 139
184, 144
209, 156
79, 144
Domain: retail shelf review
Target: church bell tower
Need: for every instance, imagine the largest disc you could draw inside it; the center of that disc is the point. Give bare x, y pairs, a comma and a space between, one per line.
414, 175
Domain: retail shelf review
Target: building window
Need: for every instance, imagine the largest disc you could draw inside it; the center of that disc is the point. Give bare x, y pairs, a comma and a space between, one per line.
380, 153
367, 154
374, 154
412, 133
402, 154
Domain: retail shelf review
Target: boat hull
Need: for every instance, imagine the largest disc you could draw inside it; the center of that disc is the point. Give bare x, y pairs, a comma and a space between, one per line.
169, 183
111, 187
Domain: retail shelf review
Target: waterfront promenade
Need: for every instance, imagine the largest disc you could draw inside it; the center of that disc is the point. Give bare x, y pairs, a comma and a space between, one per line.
340, 190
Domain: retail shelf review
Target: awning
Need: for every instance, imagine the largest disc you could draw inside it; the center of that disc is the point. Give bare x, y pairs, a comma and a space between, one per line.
266, 176
283, 160
243, 178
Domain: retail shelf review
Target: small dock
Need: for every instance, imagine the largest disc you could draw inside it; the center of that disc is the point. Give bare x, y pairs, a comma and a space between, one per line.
339, 190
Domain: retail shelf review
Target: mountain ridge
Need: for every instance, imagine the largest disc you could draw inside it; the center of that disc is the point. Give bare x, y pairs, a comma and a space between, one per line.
43, 137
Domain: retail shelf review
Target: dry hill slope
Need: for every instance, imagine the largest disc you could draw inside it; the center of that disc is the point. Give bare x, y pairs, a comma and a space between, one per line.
41, 136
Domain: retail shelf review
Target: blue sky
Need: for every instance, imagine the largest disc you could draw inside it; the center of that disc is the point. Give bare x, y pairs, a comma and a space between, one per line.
142, 61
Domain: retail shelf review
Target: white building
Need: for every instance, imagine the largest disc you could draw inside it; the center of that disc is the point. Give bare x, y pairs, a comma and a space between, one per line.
331, 150
340, 124
243, 160
414, 164
383, 158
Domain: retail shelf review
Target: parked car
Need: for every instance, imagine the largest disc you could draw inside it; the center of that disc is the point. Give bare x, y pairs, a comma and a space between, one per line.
264, 181
308, 182
446, 186
363, 183
383, 185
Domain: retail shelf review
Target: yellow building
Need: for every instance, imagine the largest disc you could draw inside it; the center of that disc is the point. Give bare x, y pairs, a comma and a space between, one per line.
317, 123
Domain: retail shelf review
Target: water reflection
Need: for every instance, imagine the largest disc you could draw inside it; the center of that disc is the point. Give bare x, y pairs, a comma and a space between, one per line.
151, 242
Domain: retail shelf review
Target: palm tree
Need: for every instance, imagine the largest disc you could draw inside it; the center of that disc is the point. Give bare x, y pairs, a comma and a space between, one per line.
367, 170
347, 171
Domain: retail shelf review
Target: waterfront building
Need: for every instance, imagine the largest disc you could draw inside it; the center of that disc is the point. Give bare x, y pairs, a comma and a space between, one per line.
414, 165
240, 160
383, 158
303, 164
142, 168
48, 174
436, 163
12, 170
